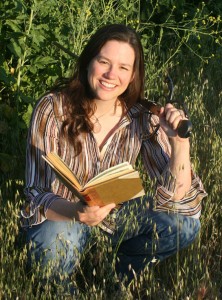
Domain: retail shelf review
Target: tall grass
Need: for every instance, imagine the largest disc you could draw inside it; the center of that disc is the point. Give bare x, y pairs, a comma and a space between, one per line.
184, 41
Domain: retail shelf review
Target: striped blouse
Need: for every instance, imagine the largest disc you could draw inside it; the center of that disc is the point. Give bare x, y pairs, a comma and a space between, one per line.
130, 140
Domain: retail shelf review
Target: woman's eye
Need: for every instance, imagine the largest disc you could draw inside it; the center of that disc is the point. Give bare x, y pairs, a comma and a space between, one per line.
103, 62
125, 68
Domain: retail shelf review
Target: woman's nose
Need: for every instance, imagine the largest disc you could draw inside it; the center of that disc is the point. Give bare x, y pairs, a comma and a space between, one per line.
111, 72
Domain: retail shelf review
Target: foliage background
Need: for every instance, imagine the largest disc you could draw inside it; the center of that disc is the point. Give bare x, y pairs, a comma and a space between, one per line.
180, 37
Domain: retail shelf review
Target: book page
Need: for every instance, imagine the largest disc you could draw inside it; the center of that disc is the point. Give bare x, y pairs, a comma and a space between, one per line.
59, 165
113, 172
116, 190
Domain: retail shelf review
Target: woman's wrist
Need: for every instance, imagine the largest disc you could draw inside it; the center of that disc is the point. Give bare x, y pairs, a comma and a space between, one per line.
64, 210
177, 141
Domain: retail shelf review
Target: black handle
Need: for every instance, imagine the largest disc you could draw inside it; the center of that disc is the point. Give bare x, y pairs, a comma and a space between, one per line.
184, 128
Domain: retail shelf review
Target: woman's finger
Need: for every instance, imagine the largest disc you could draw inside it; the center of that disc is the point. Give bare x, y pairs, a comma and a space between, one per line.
93, 215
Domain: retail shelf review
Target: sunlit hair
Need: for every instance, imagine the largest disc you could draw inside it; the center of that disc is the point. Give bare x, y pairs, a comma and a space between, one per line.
77, 93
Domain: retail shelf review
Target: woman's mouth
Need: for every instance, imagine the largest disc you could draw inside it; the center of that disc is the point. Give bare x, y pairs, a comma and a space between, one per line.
108, 85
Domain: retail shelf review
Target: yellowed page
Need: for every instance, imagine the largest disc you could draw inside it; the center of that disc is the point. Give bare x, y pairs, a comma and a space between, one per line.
116, 190
113, 172
58, 164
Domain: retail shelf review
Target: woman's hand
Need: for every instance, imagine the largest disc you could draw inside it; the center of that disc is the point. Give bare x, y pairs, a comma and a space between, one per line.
64, 210
93, 215
170, 118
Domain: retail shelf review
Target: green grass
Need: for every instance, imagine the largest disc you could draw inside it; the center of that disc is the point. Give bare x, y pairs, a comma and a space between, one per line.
184, 41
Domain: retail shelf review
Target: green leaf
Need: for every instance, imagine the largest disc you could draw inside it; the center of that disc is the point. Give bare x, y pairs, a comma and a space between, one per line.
15, 35
42, 61
27, 115
15, 48
33, 69
37, 37
14, 25
7, 78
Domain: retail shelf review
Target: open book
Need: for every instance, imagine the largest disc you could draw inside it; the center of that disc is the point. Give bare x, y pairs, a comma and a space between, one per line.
114, 185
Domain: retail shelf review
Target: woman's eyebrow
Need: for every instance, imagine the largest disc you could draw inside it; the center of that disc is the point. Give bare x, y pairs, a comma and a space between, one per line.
99, 56
127, 65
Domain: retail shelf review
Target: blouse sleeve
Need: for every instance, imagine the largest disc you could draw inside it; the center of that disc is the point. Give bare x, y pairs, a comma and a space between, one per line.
43, 137
189, 205
156, 153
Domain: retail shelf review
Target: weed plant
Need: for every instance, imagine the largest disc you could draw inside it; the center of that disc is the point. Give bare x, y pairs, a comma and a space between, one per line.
182, 38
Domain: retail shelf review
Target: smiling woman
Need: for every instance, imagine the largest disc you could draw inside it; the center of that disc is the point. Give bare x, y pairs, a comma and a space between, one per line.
109, 75
94, 122
111, 71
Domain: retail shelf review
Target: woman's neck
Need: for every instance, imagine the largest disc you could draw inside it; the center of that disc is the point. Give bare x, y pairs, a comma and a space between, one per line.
102, 107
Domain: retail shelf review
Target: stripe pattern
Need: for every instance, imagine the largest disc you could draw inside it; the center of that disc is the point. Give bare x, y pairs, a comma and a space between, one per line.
130, 138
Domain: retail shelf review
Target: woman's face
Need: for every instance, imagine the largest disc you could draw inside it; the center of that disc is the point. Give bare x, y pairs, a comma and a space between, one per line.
111, 71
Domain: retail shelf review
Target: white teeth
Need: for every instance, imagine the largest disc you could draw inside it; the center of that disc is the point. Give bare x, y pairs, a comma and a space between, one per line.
108, 85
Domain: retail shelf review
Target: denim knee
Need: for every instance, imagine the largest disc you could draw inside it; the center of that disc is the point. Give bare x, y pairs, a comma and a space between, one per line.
188, 230
58, 243
180, 231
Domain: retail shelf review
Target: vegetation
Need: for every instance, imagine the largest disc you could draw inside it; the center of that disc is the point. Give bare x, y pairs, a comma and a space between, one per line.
182, 38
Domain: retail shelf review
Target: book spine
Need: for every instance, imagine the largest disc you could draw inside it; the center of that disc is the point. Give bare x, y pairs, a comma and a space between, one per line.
92, 198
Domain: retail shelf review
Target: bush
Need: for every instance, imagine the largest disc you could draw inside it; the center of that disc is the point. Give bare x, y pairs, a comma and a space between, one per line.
182, 38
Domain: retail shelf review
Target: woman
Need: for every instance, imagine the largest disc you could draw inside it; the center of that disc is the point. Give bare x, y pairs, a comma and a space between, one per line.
94, 121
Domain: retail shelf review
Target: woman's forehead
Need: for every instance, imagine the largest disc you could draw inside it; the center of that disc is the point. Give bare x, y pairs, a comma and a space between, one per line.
118, 50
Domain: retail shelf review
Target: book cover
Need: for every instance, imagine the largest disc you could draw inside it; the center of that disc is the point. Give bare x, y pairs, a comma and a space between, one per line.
115, 185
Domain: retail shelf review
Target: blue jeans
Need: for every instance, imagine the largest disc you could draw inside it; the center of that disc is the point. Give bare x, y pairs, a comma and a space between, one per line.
142, 235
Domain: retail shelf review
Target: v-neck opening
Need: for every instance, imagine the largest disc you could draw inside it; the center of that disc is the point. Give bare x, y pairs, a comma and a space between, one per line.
100, 147
109, 134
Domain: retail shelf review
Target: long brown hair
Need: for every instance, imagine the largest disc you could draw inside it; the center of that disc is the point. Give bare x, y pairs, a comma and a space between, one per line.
77, 94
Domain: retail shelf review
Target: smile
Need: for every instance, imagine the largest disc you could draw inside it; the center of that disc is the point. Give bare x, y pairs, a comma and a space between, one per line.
108, 85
